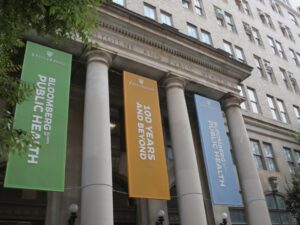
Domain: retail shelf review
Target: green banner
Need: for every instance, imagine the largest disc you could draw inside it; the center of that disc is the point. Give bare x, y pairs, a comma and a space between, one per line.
45, 115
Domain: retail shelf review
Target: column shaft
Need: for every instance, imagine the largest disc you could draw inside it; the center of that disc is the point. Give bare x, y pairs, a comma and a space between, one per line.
191, 205
255, 203
96, 196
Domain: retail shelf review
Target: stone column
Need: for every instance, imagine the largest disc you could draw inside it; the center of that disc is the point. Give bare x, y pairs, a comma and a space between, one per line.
190, 197
97, 193
254, 199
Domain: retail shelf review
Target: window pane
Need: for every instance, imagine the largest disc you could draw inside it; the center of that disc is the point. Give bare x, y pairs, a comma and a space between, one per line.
166, 18
271, 202
192, 31
149, 12
237, 216
280, 202
275, 218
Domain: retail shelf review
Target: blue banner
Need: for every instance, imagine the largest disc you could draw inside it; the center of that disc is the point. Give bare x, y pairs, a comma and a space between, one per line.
222, 181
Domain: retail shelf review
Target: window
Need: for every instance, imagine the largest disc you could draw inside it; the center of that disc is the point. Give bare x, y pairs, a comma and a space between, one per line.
248, 31
228, 48
220, 16
289, 159
246, 7
119, 2
294, 57
258, 64
166, 18
149, 11
256, 153
294, 82
272, 45
242, 93
198, 7
206, 37
280, 50
192, 31
297, 113
229, 22
276, 47
257, 37
293, 19
243, 6
269, 21
237, 216
185, 3
297, 156
269, 71
239, 53
276, 7
269, 158
286, 31
253, 100
282, 111
273, 108
285, 78
277, 209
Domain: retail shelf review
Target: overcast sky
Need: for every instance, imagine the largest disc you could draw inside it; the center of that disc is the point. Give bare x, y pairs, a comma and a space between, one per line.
295, 3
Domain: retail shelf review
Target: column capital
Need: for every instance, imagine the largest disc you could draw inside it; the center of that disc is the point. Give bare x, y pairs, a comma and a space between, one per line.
232, 100
97, 55
171, 81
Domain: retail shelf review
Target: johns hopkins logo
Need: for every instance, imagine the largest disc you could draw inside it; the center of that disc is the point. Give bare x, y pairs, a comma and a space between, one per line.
49, 54
141, 81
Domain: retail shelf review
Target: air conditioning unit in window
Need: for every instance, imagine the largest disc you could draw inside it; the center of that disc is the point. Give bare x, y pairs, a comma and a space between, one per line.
219, 14
292, 77
268, 67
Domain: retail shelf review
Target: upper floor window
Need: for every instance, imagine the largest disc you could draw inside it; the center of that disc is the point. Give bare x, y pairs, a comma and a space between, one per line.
289, 158
253, 100
259, 66
276, 47
269, 71
192, 31
294, 82
252, 34
277, 210
198, 7
285, 78
269, 157
273, 108
242, 93
278, 109
297, 156
256, 153
239, 53
185, 3
228, 48
280, 50
286, 31
119, 2
265, 19
293, 19
206, 37
257, 36
244, 6
276, 7
229, 22
220, 16
295, 57
282, 111
166, 18
297, 112
150, 11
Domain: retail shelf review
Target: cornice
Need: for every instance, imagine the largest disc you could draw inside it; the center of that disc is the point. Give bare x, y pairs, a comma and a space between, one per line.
183, 47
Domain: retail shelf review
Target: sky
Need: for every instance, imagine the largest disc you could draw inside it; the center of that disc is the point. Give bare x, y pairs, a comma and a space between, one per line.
295, 3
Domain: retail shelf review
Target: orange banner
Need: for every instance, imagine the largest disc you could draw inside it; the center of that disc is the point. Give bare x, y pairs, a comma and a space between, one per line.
147, 170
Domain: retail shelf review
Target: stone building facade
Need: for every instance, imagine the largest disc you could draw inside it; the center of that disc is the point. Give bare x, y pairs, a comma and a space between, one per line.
243, 54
